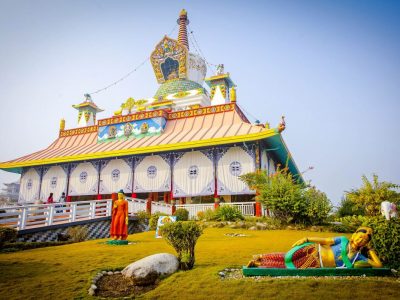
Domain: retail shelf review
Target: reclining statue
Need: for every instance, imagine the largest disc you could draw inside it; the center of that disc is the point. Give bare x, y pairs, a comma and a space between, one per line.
314, 252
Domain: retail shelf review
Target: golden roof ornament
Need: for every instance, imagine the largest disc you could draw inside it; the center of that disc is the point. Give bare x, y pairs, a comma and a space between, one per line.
282, 125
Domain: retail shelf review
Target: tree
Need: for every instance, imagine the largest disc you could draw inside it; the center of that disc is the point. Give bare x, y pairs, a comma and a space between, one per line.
349, 208
183, 235
288, 198
318, 205
372, 193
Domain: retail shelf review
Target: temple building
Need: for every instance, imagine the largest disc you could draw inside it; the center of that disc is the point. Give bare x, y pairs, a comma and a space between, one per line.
190, 142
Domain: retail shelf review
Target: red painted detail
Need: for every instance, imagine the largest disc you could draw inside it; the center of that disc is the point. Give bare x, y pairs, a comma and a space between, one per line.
99, 197
69, 198
258, 209
148, 205
134, 195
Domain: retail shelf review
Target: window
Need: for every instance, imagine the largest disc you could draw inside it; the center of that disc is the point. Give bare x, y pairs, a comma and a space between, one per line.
151, 172
83, 177
53, 182
235, 168
115, 174
29, 184
193, 172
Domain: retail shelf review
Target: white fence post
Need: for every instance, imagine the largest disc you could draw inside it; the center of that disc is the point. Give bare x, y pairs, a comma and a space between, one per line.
109, 208
22, 219
72, 215
50, 212
92, 211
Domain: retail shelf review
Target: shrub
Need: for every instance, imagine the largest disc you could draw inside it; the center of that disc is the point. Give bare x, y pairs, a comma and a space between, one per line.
349, 208
181, 214
143, 216
77, 233
386, 240
372, 193
290, 200
207, 215
228, 213
351, 223
318, 206
183, 237
154, 219
7, 234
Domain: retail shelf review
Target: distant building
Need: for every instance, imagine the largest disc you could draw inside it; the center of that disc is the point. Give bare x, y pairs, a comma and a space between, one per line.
11, 191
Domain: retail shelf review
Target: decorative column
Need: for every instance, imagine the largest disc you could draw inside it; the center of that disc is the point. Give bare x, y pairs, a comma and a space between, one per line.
148, 204
183, 22
258, 204
173, 202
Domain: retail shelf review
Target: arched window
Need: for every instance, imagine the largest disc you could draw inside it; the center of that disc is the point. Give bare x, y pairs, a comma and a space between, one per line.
193, 172
29, 184
235, 168
83, 177
53, 182
151, 172
115, 174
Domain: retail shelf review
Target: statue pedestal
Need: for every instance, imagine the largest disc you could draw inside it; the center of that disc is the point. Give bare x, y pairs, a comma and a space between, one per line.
117, 242
316, 272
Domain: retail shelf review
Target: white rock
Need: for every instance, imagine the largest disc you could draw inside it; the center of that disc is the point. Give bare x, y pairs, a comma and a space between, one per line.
161, 264
91, 292
93, 287
109, 273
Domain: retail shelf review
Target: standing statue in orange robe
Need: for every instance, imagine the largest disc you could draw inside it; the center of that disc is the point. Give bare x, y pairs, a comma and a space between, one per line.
119, 219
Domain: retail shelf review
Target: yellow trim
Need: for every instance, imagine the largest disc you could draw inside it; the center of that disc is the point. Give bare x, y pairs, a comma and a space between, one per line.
217, 77
160, 104
143, 150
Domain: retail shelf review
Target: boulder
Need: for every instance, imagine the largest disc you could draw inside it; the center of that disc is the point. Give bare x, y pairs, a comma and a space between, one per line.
146, 270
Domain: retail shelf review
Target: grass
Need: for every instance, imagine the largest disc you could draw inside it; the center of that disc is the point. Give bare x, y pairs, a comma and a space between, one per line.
65, 272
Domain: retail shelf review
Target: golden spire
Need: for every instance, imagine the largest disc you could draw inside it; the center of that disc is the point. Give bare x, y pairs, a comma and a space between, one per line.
183, 22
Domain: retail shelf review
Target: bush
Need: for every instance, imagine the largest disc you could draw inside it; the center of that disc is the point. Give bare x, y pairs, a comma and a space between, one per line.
77, 233
7, 234
207, 215
281, 193
318, 206
349, 208
372, 193
143, 216
181, 214
386, 240
290, 200
351, 223
183, 237
228, 213
154, 219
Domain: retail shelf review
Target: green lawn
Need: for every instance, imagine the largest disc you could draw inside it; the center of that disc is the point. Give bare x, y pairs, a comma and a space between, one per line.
64, 272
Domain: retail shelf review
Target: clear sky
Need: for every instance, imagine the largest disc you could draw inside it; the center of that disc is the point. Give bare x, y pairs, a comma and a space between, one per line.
331, 67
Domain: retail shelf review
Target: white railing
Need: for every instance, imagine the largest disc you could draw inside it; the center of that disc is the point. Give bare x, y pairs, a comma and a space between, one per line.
246, 208
194, 209
161, 207
31, 216
135, 205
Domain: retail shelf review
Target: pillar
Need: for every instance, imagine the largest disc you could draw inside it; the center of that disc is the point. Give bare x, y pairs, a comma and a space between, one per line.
148, 204
258, 205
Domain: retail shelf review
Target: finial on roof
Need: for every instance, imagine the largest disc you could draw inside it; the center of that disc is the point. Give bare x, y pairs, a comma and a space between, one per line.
220, 69
88, 98
183, 22
282, 124
62, 124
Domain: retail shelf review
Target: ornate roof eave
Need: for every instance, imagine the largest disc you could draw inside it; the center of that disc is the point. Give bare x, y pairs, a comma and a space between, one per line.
7, 166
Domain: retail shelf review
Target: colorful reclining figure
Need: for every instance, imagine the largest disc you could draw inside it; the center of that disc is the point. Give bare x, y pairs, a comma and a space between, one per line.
336, 252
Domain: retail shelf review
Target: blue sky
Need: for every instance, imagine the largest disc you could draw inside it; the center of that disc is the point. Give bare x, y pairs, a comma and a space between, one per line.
331, 67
